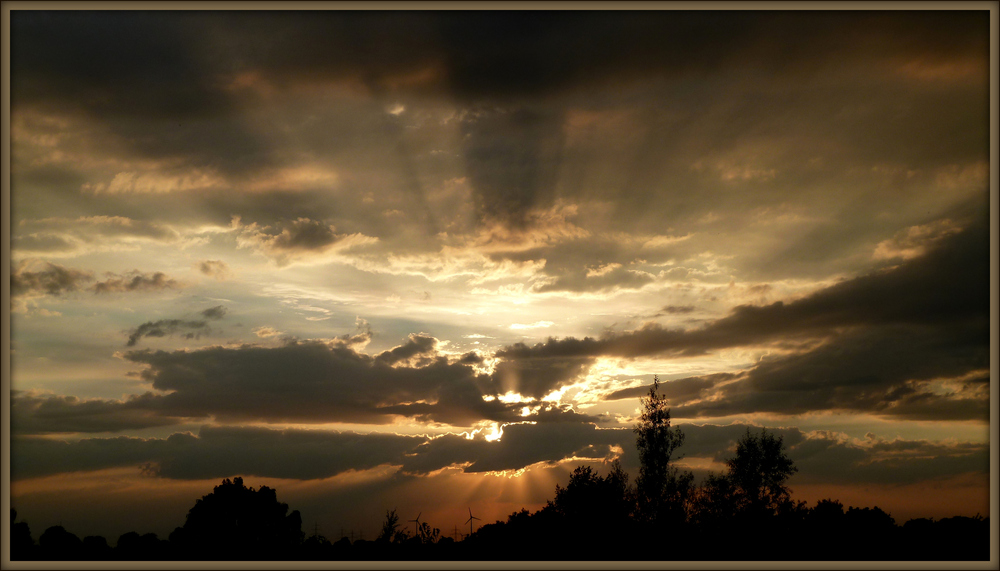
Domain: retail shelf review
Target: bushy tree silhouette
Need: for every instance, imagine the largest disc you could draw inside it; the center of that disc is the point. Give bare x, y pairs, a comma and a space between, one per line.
22, 546
57, 544
594, 501
714, 503
426, 533
134, 547
391, 532
758, 473
96, 548
237, 523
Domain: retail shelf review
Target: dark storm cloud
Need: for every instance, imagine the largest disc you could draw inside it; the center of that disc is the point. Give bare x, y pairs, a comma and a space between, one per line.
416, 345
34, 414
512, 158
37, 456
830, 460
303, 454
298, 454
299, 238
314, 381
218, 452
135, 281
888, 371
303, 381
112, 62
170, 62
537, 376
32, 278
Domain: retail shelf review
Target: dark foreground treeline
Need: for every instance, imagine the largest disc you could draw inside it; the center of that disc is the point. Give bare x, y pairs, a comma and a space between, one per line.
745, 513
586, 521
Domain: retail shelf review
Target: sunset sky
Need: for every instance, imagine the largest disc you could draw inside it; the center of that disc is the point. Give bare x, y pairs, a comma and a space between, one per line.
431, 260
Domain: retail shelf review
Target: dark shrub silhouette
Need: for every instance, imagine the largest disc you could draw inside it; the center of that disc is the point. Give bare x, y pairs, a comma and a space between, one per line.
57, 544
134, 547
96, 548
317, 548
235, 522
22, 546
391, 532
595, 511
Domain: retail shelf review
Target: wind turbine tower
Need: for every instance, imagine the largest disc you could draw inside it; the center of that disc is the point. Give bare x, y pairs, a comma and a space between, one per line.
416, 524
471, 517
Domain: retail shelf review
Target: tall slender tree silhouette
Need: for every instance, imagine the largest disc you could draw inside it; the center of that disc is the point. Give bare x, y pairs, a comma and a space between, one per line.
662, 490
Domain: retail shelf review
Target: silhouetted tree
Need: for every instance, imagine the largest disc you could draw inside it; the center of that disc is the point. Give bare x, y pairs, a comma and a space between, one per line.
595, 511
134, 547
391, 532
317, 548
594, 501
758, 473
714, 503
237, 522
22, 546
57, 544
96, 548
827, 520
426, 533
662, 490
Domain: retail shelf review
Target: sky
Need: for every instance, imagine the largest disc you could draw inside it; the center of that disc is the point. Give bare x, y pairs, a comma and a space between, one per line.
431, 261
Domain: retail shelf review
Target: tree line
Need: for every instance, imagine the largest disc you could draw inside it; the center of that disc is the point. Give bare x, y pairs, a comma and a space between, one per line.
744, 513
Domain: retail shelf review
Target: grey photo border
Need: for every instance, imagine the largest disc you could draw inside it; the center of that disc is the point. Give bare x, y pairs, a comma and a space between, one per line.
5, 220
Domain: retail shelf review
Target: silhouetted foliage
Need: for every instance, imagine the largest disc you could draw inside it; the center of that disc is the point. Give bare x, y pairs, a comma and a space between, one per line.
390, 528
22, 546
758, 473
662, 490
713, 503
426, 533
235, 522
96, 548
134, 547
60, 545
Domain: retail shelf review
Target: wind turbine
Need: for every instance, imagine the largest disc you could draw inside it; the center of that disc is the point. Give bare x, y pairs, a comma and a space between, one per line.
469, 521
416, 524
